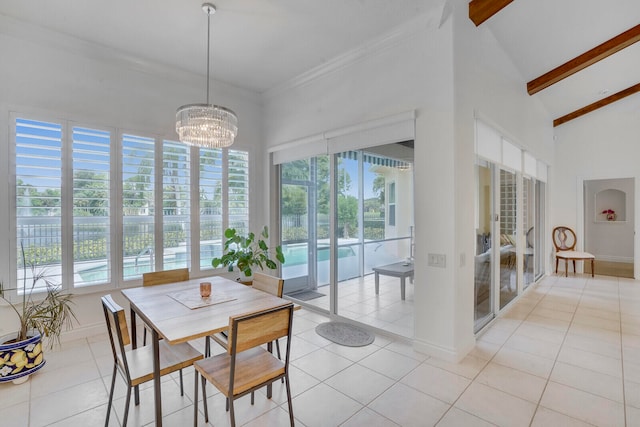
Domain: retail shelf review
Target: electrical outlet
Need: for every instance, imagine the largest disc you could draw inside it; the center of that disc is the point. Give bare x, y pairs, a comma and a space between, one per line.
436, 260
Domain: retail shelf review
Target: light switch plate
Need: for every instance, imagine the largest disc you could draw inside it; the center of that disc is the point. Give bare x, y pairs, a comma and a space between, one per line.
436, 260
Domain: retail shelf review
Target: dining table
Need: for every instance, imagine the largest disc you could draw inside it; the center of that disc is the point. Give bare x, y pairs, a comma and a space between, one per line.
177, 313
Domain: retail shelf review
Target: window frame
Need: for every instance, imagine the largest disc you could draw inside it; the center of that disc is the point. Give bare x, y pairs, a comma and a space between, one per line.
391, 204
116, 222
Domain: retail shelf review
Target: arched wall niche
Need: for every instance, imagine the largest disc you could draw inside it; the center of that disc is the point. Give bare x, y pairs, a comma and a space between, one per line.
611, 201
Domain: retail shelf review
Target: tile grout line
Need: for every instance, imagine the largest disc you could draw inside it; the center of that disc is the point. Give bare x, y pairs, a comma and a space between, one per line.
588, 392
555, 361
107, 387
501, 346
624, 397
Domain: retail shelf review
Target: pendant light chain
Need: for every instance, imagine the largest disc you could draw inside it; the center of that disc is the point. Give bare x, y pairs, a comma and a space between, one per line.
207, 125
208, 47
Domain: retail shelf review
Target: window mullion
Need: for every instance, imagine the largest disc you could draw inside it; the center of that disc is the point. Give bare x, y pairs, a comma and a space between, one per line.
158, 209
66, 193
225, 191
194, 209
13, 219
116, 209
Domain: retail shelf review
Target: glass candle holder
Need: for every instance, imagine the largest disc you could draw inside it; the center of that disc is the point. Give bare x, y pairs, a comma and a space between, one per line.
205, 289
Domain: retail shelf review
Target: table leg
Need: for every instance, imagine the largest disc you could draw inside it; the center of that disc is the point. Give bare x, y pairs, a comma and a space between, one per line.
402, 283
377, 283
134, 344
156, 376
269, 387
566, 267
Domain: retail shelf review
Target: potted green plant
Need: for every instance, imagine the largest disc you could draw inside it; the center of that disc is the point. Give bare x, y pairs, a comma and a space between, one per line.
248, 252
21, 352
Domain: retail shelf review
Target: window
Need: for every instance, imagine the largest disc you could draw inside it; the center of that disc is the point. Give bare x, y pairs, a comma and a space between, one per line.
239, 191
39, 196
176, 196
91, 153
211, 226
138, 199
129, 200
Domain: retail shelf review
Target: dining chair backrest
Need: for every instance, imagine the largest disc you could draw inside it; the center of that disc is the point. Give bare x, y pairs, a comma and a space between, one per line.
564, 239
529, 237
118, 331
270, 284
254, 329
165, 276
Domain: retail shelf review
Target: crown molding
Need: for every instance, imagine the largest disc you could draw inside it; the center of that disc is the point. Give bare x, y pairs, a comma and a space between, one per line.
27, 31
378, 44
24, 30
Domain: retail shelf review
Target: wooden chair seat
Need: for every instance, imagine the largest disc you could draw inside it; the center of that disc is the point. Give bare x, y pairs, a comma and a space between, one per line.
253, 367
221, 338
172, 358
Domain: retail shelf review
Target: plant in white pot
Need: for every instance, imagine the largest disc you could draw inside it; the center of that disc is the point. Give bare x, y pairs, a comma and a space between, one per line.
39, 315
247, 253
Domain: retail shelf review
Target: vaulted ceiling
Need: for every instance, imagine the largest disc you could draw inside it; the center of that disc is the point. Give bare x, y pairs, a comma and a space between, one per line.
542, 35
260, 44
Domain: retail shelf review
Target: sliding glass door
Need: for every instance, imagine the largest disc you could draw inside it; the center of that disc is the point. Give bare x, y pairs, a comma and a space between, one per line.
304, 222
510, 221
496, 254
483, 260
539, 235
372, 217
508, 237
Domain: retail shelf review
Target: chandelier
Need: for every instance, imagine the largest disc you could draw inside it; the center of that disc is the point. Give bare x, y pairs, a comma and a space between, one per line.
206, 125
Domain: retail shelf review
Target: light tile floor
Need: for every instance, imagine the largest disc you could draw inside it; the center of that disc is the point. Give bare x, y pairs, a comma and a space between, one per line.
566, 354
357, 300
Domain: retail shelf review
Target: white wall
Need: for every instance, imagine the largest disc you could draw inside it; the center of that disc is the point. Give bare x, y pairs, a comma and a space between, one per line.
446, 73
487, 86
51, 74
609, 240
600, 145
413, 73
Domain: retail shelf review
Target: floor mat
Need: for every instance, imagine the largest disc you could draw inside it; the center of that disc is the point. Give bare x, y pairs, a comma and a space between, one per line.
306, 295
345, 334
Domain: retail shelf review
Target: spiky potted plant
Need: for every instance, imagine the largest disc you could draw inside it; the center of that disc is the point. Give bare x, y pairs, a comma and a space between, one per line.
246, 253
39, 316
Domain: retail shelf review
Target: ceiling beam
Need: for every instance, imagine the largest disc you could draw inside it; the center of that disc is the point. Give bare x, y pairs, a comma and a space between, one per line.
481, 10
590, 57
598, 104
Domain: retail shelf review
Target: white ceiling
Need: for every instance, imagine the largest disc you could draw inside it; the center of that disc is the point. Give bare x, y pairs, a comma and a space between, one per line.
540, 35
256, 44
260, 44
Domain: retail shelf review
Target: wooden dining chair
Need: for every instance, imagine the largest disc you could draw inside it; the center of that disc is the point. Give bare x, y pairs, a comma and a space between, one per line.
247, 366
564, 240
262, 282
136, 365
